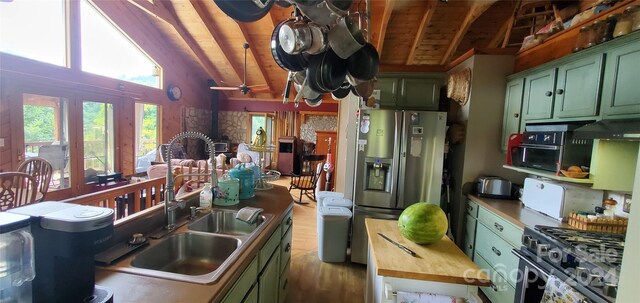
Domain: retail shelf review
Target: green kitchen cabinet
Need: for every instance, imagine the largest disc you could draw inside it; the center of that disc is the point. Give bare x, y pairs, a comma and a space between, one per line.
577, 89
405, 91
621, 89
268, 282
243, 285
512, 110
538, 95
252, 296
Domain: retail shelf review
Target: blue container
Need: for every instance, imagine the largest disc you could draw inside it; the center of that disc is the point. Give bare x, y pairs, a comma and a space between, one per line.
245, 175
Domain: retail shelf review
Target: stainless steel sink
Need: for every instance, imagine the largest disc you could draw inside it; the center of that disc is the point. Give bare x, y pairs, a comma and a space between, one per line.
225, 222
188, 254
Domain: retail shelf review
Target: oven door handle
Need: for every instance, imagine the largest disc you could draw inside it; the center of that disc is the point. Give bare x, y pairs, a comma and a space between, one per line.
522, 257
540, 146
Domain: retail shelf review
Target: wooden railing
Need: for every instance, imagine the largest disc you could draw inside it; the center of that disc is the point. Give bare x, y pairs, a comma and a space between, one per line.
126, 200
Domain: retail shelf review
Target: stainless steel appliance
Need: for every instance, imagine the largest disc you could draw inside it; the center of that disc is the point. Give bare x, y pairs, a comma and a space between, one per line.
557, 199
493, 187
66, 238
16, 258
552, 147
588, 261
398, 163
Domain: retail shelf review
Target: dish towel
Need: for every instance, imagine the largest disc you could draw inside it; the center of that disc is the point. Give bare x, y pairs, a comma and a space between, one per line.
422, 297
249, 214
558, 291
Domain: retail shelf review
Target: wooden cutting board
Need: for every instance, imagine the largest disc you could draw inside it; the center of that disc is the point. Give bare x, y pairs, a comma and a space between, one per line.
442, 261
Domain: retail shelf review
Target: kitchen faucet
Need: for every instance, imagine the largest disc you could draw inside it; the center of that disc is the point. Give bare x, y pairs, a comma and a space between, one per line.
170, 202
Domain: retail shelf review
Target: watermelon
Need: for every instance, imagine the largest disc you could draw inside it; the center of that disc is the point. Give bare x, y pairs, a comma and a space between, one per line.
423, 223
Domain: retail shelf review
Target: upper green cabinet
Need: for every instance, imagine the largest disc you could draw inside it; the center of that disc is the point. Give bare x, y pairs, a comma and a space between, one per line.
578, 88
571, 90
621, 89
539, 95
512, 110
420, 92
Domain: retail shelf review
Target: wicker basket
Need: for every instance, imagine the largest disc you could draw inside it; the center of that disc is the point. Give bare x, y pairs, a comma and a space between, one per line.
616, 226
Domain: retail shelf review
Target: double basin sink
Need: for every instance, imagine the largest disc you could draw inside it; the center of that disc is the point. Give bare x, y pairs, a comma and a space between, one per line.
201, 253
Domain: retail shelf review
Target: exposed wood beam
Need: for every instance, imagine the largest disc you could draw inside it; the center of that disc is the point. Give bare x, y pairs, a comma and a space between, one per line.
510, 21
500, 34
422, 29
477, 8
161, 12
205, 20
386, 15
389, 68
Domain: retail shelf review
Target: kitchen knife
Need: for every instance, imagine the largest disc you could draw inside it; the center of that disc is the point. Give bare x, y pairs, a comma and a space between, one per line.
409, 251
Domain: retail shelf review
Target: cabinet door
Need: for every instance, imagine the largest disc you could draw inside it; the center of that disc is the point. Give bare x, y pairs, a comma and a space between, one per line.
620, 90
252, 296
539, 95
268, 283
512, 110
470, 236
388, 91
578, 88
419, 93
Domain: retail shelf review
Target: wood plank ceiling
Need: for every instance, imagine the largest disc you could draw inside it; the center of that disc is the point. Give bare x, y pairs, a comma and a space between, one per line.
416, 35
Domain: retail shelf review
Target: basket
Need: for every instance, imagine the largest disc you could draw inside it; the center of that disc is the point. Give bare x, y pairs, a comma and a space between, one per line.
616, 226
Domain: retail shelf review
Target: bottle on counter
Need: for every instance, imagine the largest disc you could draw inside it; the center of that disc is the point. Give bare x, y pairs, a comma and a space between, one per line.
609, 27
610, 208
623, 26
595, 33
581, 39
206, 195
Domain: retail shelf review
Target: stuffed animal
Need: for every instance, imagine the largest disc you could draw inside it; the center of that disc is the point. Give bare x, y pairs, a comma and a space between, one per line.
261, 137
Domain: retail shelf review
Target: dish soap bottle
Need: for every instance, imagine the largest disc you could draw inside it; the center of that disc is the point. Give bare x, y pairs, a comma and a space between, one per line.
206, 196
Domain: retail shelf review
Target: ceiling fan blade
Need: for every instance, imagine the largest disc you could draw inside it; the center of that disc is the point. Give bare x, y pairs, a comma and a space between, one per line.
223, 88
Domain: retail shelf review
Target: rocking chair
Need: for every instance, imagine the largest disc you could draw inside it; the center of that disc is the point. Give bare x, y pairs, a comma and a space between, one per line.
305, 181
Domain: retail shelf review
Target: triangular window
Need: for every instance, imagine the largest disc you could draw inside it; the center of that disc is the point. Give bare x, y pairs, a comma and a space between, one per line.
106, 51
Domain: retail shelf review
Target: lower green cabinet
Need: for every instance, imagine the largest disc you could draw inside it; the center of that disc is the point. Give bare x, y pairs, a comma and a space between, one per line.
284, 284
252, 296
243, 285
268, 281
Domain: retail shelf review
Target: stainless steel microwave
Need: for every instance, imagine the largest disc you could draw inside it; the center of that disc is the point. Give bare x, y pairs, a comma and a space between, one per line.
551, 147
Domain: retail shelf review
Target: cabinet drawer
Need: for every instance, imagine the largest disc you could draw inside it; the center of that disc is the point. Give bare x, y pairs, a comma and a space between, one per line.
496, 251
284, 285
469, 236
501, 227
285, 249
472, 208
287, 222
499, 291
268, 249
244, 283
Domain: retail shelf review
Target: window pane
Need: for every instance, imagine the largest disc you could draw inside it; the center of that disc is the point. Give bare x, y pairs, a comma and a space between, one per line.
97, 126
256, 122
146, 135
107, 52
34, 29
46, 135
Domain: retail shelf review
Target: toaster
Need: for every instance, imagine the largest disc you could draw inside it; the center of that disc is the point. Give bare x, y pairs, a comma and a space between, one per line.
493, 187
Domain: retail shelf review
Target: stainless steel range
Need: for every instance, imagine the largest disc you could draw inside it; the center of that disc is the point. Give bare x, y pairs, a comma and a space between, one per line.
587, 261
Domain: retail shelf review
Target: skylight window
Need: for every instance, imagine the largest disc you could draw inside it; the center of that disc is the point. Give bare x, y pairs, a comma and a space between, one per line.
34, 29
106, 51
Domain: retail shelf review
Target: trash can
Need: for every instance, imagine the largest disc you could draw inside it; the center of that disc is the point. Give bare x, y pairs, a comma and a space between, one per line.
333, 233
322, 195
337, 201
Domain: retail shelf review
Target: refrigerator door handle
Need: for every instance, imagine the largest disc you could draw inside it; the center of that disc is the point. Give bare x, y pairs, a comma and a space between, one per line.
402, 160
395, 182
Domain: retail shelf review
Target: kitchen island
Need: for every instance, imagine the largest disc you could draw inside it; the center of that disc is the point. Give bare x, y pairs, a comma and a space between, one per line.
439, 268
277, 202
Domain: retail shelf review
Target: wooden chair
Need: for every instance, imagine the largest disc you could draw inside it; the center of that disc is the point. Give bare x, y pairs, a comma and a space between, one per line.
305, 181
16, 189
41, 170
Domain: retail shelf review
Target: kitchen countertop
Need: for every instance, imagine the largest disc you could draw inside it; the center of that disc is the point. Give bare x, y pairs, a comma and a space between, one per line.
515, 212
137, 288
442, 261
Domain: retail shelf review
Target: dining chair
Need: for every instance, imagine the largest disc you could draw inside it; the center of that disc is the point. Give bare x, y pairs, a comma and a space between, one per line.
41, 170
306, 179
16, 189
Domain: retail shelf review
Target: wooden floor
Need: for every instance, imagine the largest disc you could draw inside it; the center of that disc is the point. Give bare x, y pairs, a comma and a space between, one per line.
312, 280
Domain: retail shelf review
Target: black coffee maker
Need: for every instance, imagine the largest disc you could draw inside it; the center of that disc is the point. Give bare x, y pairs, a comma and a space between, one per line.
66, 238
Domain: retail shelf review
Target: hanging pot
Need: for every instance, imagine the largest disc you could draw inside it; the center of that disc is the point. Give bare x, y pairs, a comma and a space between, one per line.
341, 92
295, 36
325, 12
245, 10
333, 70
313, 73
364, 89
319, 41
364, 64
297, 62
346, 38
313, 102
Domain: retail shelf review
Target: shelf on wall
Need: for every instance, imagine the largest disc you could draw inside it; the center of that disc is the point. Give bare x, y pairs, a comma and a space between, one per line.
548, 174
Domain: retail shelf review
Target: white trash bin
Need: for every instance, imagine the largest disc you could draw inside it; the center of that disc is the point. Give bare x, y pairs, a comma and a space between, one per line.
333, 233
322, 195
337, 201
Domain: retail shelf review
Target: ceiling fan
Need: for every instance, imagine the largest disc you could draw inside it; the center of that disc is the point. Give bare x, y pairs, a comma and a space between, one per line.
243, 88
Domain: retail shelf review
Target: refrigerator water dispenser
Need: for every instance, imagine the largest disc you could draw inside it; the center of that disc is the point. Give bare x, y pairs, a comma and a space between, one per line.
378, 175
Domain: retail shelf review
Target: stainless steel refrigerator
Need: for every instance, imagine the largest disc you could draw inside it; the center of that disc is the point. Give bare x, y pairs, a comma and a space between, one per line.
398, 163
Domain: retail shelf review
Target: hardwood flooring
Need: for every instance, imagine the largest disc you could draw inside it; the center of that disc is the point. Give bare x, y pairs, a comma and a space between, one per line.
312, 280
